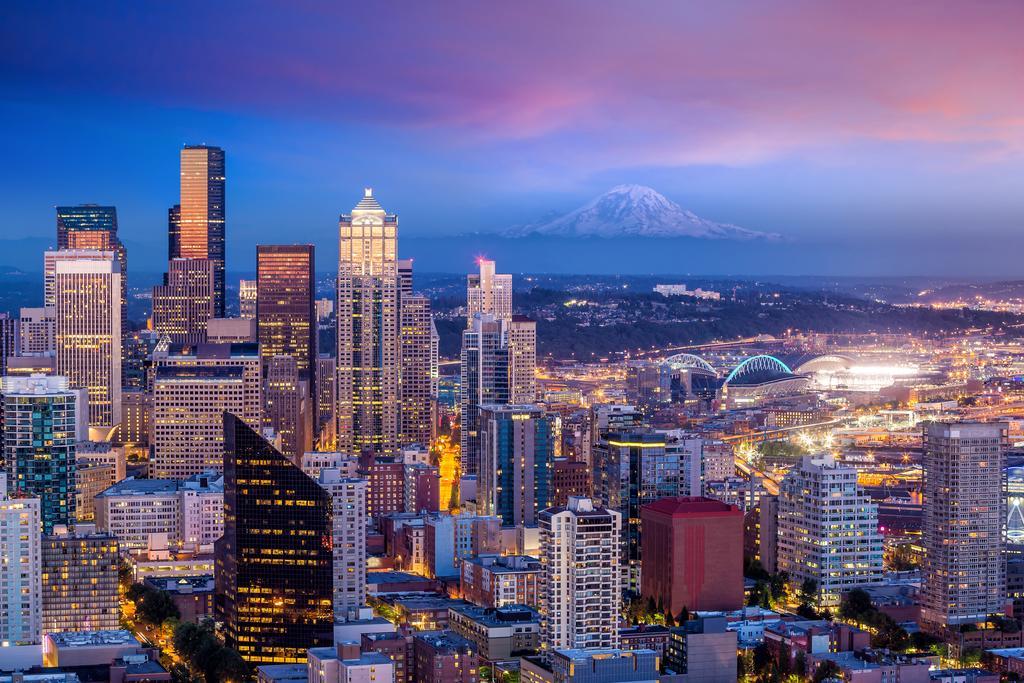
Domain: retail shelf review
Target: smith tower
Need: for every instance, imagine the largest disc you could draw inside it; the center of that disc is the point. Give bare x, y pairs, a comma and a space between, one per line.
368, 361
197, 223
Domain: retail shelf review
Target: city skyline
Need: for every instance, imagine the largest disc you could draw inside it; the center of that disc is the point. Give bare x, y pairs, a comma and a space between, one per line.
848, 136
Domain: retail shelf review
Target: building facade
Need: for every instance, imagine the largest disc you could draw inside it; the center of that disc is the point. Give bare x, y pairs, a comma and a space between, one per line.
199, 220
285, 315
79, 581
484, 372
21, 574
514, 480
348, 507
489, 293
183, 305
417, 371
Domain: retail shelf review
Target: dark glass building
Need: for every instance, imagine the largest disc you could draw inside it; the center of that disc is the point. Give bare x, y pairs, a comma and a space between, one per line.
174, 232
274, 561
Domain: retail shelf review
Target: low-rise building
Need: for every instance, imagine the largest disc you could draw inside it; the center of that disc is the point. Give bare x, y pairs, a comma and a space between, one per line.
87, 648
498, 633
192, 595
500, 580
786, 639
445, 657
874, 667
345, 663
645, 637
702, 651
397, 647
593, 665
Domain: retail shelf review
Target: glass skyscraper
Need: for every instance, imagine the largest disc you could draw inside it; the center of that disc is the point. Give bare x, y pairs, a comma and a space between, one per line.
200, 216
274, 562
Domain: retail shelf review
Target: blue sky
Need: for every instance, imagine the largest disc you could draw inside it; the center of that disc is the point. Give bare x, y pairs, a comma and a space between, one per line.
857, 130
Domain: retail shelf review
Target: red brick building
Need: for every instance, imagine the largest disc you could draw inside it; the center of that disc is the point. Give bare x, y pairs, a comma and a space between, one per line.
692, 550
570, 478
444, 657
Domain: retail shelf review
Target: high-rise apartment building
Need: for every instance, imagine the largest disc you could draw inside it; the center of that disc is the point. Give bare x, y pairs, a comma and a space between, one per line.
247, 299
275, 584
515, 479
287, 409
21, 571
488, 292
522, 359
693, 554
484, 380
579, 584
94, 227
963, 577
39, 437
417, 369
828, 529
285, 310
201, 214
183, 305
348, 514
36, 332
87, 315
188, 405
368, 319
79, 580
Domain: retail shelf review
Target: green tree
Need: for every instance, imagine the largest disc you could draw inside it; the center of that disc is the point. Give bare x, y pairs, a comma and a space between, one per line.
856, 604
827, 669
155, 607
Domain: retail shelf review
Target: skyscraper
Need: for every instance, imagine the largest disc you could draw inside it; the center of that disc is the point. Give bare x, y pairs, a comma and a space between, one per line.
247, 299
348, 506
87, 323
828, 529
21, 571
522, 359
201, 213
287, 408
40, 415
79, 580
174, 232
183, 305
516, 463
9, 339
188, 404
963, 578
326, 403
369, 353
285, 312
488, 292
90, 226
579, 582
417, 325
484, 380
274, 562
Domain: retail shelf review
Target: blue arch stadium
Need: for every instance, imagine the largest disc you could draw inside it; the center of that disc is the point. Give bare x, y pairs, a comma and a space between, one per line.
762, 363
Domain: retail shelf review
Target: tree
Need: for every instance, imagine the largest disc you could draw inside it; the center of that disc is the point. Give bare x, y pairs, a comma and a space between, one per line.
922, 641
856, 604
809, 591
827, 669
156, 607
800, 665
684, 616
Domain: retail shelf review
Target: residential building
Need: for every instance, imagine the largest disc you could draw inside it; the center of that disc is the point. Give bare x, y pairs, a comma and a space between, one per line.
398, 647
828, 529
522, 360
498, 634
417, 370
274, 576
368, 319
591, 665
580, 576
346, 664
500, 580
445, 657
348, 515
963, 578
40, 415
79, 580
21, 571
484, 371
515, 472
569, 478
489, 293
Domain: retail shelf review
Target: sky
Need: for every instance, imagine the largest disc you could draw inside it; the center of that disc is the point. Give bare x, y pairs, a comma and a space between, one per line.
875, 136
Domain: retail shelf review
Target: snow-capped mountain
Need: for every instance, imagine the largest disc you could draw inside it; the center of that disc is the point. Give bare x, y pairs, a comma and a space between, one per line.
638, 211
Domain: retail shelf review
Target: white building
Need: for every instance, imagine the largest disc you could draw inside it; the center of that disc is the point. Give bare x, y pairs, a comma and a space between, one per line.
313, 462
348, 502
346, 664
186, 515
828, 529
36, 331
489, 292
21, 606
579, 581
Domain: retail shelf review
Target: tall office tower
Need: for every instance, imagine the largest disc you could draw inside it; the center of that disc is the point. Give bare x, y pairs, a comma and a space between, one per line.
286, 405
348, 507
517, 453
632, 468
89, 226
693, 554
87, 315
326, 401
369, 353
608, 417
274, 576
417, 322
245, 356
285, 311
247, 299
174, 232
79, 580
201, 216
188, 404
36, 332
21, 571
522, 360
579, 584
963, 578
183, 305
484, 380
488, 292
828, 529
40, 415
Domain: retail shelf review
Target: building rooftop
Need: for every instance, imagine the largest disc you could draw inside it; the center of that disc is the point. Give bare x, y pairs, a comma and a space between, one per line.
686, 506
93, 638
211, 482
445, 641
500, 616
284, 673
